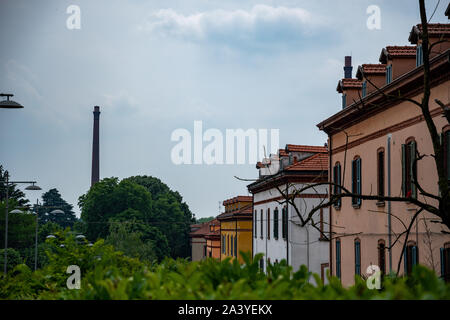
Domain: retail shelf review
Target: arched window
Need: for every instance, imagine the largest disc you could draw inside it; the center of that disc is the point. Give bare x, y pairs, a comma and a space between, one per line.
410, 256
357, 257
268, 223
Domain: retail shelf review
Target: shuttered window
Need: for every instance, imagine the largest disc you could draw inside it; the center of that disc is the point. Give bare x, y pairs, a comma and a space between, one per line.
338, 258
389, 74
262, 223
235, 246
232, 246
380, 172
337, 181
411, 257
255, 228
446, 143
445, 263
275, 224
284, 222
408, 159
382, 256
357, 257
419, 56
356, 181
268, 223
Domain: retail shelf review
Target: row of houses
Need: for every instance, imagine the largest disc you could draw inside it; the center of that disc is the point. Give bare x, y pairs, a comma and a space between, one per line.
375, 146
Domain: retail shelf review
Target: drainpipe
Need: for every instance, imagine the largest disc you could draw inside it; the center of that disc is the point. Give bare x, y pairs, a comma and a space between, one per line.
287, 225
389, 137
330, 210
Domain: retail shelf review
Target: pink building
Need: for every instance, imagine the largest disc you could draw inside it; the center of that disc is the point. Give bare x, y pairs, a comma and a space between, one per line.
373, 142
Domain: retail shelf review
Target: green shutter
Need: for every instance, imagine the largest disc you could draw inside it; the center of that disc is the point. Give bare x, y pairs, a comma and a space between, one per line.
413, 159
403, 170
235, 245
414, 255
442, 262
339, 182
405, 258
358, 177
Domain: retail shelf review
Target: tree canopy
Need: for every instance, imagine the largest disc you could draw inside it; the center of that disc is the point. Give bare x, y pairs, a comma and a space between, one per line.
159, 214
52, 200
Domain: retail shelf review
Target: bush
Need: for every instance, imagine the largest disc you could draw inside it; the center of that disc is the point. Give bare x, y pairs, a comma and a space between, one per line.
13, 257
109, 274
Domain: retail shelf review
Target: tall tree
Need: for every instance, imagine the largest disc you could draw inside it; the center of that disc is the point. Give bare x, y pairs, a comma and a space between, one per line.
52, 200
13, 192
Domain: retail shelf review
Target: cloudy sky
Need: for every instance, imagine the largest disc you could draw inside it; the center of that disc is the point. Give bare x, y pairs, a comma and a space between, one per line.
156, 66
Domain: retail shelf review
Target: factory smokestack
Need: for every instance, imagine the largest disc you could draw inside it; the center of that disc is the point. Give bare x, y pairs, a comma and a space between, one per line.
95, 177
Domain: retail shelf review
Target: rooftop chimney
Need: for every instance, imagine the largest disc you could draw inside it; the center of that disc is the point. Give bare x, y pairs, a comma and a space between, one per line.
348, 67
95, 148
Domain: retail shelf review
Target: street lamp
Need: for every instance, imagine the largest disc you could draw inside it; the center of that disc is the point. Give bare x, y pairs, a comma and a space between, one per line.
7, 184
9, 104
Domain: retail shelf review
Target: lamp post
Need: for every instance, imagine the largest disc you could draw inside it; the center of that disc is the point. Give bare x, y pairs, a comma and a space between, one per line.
56, 211
9, 104
7, 184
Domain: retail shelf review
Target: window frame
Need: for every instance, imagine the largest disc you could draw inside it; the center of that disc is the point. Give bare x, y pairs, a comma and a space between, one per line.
275, 224
356, 181
357, 252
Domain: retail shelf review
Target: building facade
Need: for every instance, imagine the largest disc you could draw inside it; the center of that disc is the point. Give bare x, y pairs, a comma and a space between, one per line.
374, 142
277, 232
205, 240
213, 240
236, 228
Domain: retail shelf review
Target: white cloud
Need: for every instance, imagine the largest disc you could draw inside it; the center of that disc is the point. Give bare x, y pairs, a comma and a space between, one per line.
261, 24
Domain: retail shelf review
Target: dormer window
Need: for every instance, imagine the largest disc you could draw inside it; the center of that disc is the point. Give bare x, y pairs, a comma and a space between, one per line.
364, 89
389, 74
344, 100
419, 56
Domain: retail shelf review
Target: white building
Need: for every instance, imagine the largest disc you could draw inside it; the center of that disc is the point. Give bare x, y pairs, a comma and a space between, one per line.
277, 230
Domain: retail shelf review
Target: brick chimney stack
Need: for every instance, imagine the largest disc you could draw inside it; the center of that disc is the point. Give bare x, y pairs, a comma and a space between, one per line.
95, 177
348, 67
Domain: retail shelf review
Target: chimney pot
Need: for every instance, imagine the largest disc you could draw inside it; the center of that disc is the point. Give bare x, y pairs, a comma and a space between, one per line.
348, 67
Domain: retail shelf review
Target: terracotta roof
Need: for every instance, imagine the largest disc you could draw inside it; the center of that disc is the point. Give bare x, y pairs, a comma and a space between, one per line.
201, 231
302, 148
348, 83
282, 153
317, 162
434, 30
398, 52
378, 68
246, 210
237, 199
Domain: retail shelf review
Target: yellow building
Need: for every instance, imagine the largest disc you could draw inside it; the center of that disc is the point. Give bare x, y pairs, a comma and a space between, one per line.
236, 227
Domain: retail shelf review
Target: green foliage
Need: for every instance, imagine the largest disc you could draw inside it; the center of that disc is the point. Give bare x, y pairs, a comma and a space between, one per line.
21, 227
52, 200
13, 193
159, 213
204, 219
13, 258
128, 238
109, 274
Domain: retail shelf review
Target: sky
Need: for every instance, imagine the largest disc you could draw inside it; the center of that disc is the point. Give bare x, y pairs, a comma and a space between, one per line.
157, 66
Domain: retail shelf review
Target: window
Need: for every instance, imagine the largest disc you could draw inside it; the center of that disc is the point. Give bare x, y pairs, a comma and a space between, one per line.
235, 246
364, 89
256, 225
344, 100
262, 223
275, 224
445, 262
382, 256
268, 223
337, 181
408, 172
446, 144
204, 251
232, 246
338, 258
284, 222
223, 244
356, 181
410, 257
228, 245
261, 264
380, 172
358, 257
389, 74
419, 55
